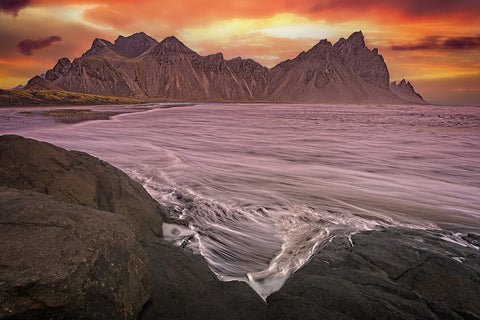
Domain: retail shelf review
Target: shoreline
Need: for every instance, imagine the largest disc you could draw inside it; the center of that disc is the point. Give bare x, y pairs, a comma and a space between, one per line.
73, 114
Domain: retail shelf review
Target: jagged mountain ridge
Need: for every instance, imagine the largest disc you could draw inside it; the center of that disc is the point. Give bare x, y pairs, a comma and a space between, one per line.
405, 90
140, 66
319, 75
366, 63
127, 47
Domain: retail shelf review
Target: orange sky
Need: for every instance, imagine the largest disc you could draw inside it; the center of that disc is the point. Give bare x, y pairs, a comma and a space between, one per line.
433, 43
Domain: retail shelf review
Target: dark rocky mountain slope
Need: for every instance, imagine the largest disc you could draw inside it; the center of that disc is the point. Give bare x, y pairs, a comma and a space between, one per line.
319, 75
139, 66
406, 91
365, 63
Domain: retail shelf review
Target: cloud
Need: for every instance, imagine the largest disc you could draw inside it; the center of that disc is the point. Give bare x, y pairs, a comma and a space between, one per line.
411, 8
462, 43
27, 46
441, 43
431, 42
415, 8
13, 6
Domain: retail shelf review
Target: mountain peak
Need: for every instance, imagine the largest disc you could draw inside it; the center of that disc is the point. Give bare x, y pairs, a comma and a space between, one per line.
405, 91
172, 44
99, 47
133, 45
321, 47
357, 41
323, 43
139, 36
368, 64
172, 40
355, 44
356, 35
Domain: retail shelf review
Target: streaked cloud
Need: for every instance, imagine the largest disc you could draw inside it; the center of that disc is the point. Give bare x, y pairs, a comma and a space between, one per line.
441, 43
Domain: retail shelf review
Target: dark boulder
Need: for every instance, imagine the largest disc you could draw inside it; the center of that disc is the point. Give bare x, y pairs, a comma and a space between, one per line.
389, 274
188, 289
64, 261
76, 177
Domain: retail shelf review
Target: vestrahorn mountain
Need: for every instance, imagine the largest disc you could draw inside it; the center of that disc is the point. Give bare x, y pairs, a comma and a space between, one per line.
139, 66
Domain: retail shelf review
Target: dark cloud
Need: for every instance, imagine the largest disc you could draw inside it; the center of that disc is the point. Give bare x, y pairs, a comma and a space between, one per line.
27, 46
13, 6
435, 7
431, 42
441, 43
408, 7
462, 43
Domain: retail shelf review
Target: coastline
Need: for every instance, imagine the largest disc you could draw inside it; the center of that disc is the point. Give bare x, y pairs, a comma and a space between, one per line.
46, 115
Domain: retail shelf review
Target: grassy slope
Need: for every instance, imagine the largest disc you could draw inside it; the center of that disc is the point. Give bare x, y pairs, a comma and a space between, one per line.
21, 97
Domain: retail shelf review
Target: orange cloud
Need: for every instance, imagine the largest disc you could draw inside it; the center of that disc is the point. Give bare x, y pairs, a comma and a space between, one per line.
184, 13
442, 43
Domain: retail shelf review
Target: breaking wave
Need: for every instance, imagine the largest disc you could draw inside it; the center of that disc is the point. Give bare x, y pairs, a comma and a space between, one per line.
261, 246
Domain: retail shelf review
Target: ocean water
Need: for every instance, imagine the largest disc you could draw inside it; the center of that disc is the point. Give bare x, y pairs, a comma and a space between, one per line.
260, 187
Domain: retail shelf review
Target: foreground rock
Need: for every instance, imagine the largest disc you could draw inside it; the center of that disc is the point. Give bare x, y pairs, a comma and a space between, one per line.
391, 274
59, 260
76, 177
187, 289
62, 258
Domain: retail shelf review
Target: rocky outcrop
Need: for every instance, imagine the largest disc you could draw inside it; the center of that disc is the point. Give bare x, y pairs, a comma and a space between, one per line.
76, 177
40, 83
64, 261
139, 66
185, 288
389, 274
405, 91
61, 69
62, 258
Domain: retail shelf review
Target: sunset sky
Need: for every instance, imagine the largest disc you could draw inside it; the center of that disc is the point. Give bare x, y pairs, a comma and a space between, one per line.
435, 44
